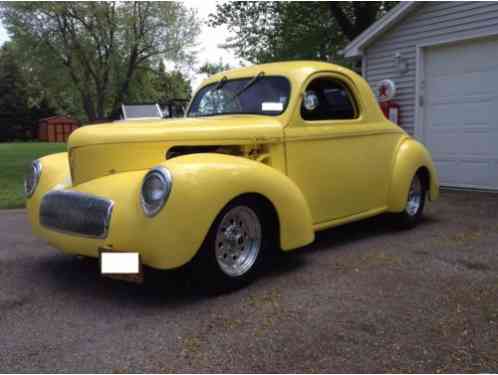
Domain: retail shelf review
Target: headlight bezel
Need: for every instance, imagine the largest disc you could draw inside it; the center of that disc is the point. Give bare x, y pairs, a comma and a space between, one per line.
34, 173
164, 175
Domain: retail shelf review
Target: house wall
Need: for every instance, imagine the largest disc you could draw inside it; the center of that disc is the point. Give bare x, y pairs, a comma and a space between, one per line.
427, 23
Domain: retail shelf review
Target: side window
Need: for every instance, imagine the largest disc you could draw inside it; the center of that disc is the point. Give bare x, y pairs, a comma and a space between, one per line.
328, 99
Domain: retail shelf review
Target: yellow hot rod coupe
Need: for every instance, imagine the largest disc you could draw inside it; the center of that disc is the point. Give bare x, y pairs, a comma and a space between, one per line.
264, 157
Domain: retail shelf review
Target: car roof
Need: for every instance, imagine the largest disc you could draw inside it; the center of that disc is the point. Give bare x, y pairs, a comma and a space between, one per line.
298, 71
294, 70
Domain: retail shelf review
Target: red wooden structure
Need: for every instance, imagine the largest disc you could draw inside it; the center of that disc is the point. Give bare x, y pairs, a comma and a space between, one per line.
56, 128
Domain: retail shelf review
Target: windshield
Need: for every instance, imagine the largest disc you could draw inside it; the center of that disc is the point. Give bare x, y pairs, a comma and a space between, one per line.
261, 95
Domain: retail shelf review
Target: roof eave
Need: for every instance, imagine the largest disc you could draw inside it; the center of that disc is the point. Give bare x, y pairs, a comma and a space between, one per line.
356, 46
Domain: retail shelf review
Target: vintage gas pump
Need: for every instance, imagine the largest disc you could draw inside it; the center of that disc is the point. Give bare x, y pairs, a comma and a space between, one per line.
386, 91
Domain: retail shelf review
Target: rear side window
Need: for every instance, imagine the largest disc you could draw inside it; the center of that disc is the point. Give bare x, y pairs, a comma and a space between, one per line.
328, 99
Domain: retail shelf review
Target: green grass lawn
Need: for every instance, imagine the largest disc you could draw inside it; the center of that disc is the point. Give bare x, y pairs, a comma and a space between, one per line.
14, 161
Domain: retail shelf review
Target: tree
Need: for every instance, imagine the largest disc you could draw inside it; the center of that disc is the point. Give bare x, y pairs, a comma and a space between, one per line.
171, 85
156, 85
270, 31
353, 17
15, 112
213, 68
98, 47
20, 111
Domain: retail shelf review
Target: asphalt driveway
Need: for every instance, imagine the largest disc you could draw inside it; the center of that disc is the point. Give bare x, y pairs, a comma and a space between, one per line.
363, 297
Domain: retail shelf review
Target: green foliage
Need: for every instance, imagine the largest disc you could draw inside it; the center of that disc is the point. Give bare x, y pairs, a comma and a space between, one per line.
353, 17
170, 85
13, 165
156, 85
213, 68
19, 113
88, 54
269, 31
13, 103
273, 31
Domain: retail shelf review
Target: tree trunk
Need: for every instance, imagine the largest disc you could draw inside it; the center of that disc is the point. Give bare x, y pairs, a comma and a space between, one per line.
89, 107
122, 94
364, 14
101, 95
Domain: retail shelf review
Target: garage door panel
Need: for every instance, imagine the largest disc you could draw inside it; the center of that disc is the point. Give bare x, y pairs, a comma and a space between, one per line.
459, 86
460, 57
447, 170
444, 143
439, 114
479, 113
468, 111
447, 144
468, 173
479, 143
460, 111
478, 173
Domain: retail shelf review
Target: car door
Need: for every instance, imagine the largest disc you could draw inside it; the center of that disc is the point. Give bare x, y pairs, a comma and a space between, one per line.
339, 159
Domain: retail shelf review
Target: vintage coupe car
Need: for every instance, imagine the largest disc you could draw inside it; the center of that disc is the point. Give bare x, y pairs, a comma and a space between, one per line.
265, 157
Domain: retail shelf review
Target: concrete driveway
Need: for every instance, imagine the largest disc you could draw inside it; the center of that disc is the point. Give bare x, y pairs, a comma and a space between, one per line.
363, 297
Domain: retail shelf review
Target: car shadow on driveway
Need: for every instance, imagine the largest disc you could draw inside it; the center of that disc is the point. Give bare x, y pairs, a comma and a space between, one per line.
368, 228
175, 287
82, 276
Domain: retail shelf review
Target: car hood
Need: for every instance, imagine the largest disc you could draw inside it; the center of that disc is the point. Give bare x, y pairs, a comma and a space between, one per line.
225, 129
101, 150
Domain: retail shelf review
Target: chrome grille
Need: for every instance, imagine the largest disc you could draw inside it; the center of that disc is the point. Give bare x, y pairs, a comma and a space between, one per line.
74, 212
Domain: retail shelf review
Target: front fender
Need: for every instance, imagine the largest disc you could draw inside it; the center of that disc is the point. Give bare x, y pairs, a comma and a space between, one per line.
410, 157
55, 171
204, 183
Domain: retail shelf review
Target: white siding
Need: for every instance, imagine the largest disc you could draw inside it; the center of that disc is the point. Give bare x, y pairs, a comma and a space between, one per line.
426, 23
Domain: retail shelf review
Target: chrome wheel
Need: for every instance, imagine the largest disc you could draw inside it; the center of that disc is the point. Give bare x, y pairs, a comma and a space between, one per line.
238, 241
415, 196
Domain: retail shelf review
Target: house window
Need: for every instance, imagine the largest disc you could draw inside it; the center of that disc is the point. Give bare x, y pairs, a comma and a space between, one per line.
328, 99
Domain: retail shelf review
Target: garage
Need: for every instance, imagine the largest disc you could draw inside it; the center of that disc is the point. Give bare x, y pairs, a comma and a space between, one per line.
443, 59
460, 106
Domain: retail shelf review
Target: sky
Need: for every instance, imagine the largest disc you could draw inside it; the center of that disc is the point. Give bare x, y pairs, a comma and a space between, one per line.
209, 41
3, 34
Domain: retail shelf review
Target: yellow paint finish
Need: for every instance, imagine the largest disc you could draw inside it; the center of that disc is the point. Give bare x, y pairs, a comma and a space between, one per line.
100, 150
410, 157
316, 174
202, 185
326, 175
350, 159
226, 129
54, 174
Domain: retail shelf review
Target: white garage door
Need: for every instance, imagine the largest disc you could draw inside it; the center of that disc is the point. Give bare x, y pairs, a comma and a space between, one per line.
461, 112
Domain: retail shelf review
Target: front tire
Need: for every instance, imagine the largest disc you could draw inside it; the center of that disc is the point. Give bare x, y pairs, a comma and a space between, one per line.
415, 203
236, 246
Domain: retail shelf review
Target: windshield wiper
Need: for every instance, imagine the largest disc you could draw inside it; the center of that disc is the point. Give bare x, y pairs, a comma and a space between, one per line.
221, 83
249, 84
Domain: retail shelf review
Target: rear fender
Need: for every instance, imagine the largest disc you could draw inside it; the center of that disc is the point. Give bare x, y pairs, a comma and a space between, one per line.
410, 158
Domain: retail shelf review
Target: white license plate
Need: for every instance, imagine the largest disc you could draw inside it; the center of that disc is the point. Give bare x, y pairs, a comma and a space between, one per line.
123, 263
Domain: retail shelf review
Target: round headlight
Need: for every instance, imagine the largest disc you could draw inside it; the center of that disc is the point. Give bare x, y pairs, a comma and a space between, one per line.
32, 178
156, 187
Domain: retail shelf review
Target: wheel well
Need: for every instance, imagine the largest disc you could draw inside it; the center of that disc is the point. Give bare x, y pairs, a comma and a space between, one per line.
425, 177
270, 213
